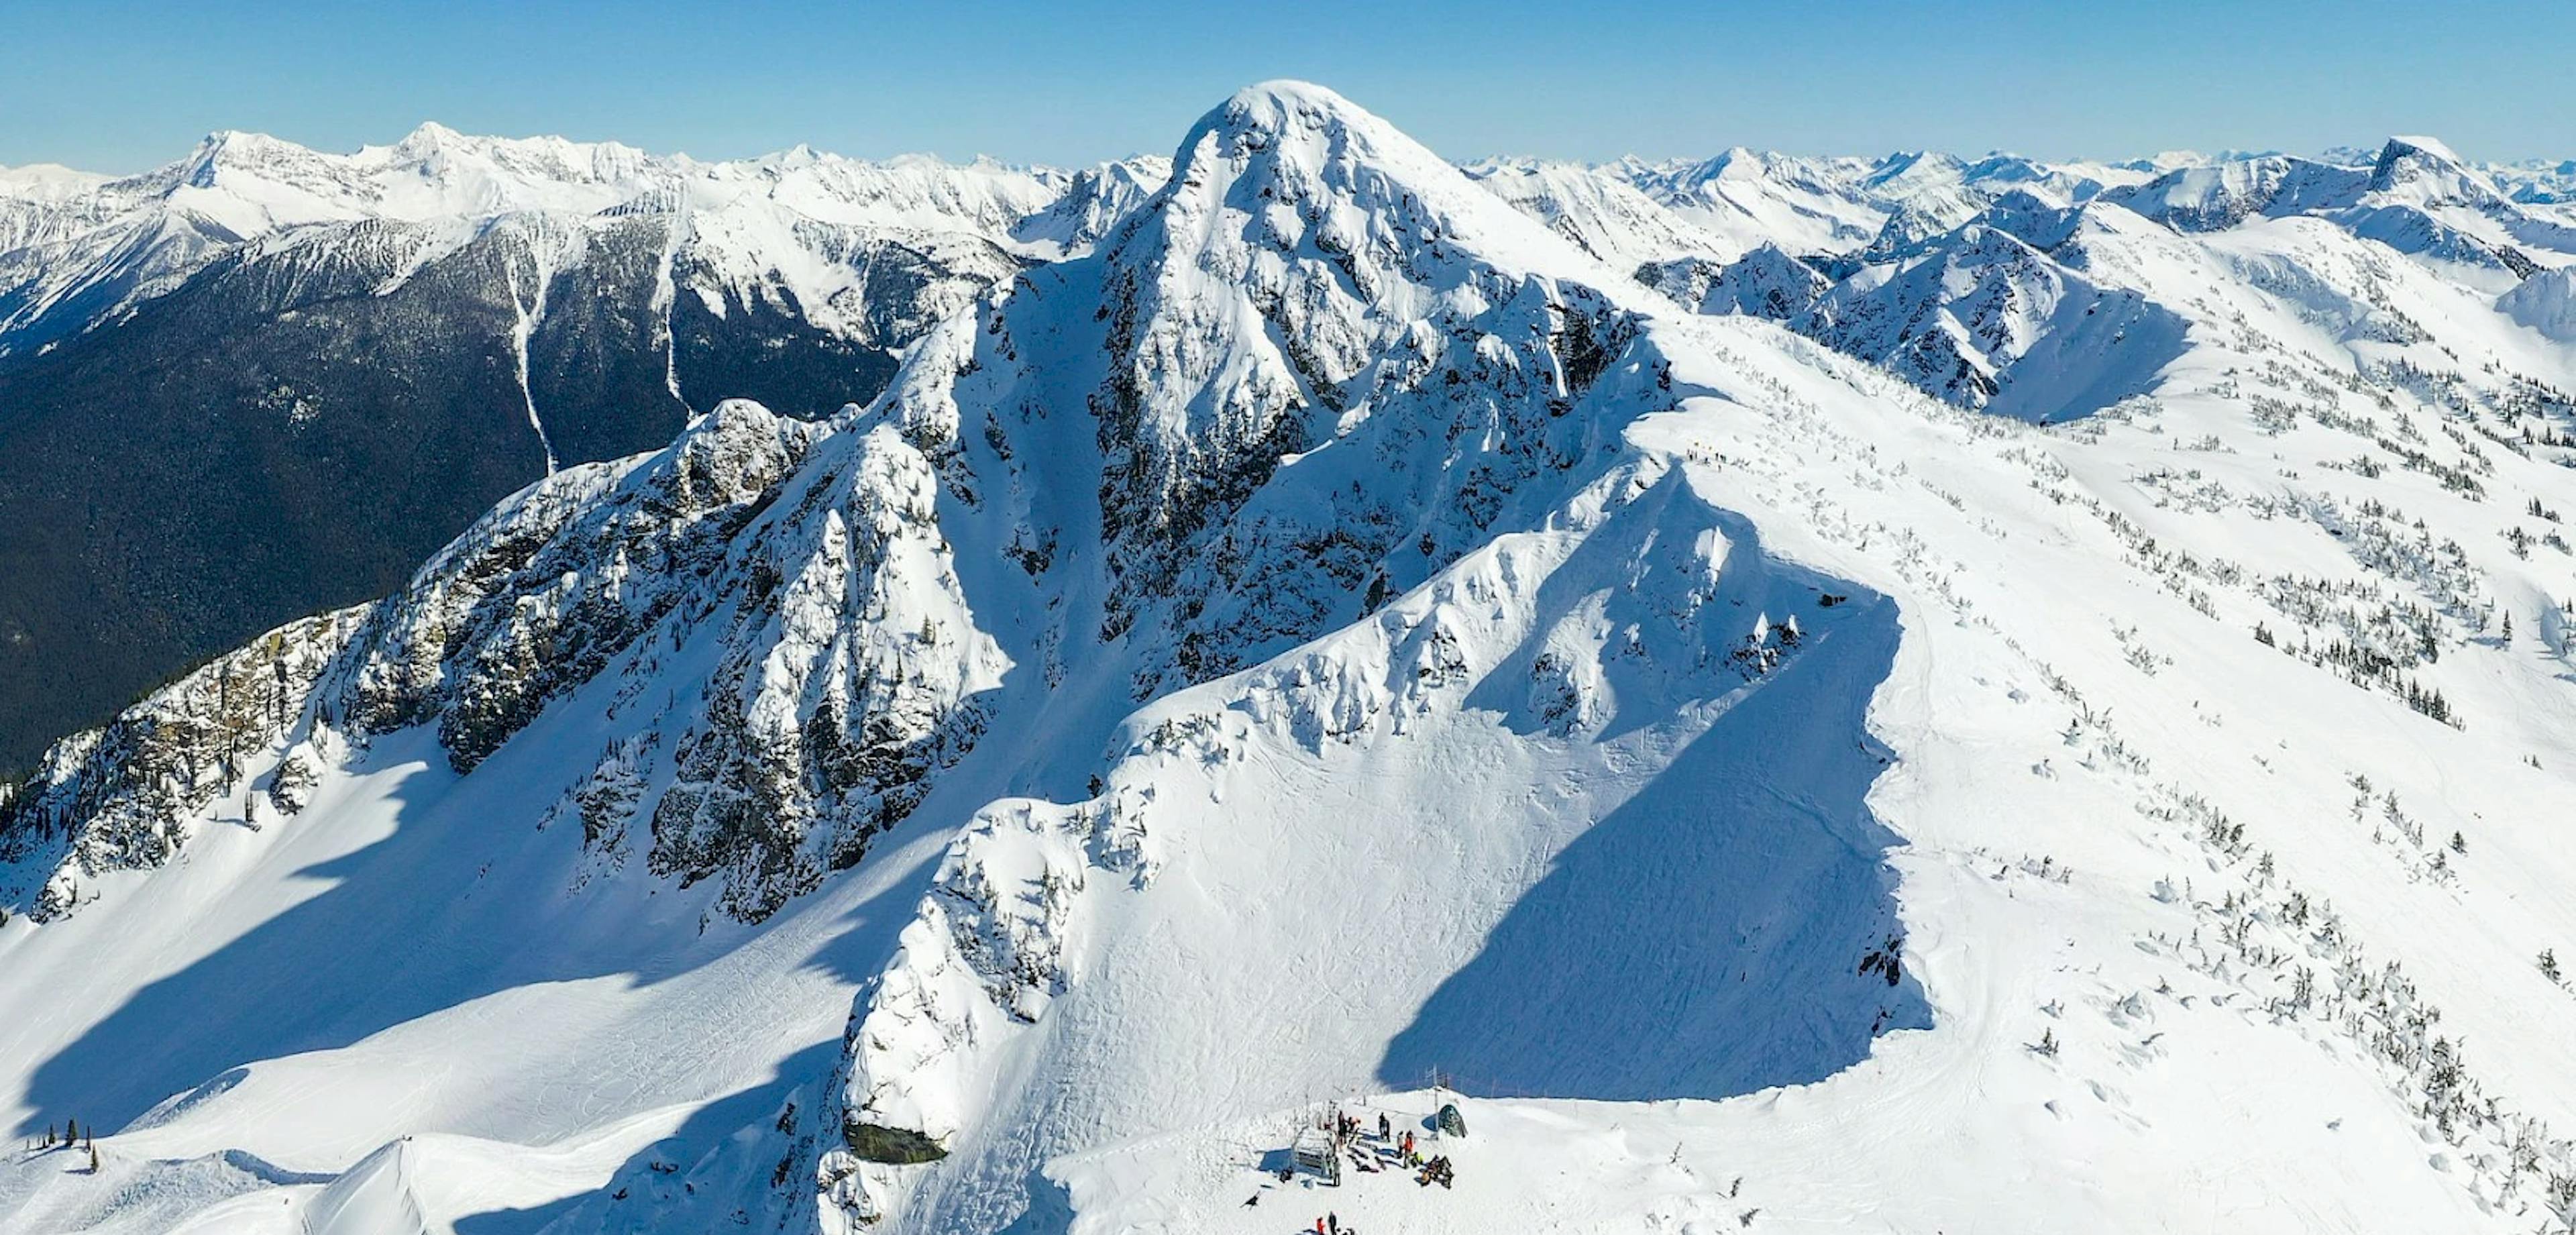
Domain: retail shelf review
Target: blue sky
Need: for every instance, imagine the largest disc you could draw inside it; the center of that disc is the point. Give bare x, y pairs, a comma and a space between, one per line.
119, 86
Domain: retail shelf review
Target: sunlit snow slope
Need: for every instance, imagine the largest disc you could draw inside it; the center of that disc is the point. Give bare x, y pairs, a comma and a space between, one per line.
1355, 637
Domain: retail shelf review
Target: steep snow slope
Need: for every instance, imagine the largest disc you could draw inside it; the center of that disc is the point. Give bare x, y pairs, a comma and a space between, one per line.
2546, 303
1337, 634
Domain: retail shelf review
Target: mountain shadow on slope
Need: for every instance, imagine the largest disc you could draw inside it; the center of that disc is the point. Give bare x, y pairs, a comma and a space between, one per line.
1728, 929
459, 901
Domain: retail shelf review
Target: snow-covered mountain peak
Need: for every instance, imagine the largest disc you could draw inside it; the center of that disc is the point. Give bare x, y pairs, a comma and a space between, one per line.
2164, 161
1304, 272
2405, 146
48, 182
1294, 129
245, 148
1294, 203
516, 170
426, 139
1921, 167
917, 160
2428, 173
1738, 162
231, 159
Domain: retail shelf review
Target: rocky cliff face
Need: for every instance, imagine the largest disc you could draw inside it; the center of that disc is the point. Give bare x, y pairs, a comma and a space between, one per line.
832, 690
128, 796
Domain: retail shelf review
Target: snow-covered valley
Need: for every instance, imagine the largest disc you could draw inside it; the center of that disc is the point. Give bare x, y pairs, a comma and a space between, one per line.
1800, 695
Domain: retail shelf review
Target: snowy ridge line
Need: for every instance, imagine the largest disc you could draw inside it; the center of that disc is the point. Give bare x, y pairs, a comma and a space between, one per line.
92, 253
980, 966
1357, 619
1317, 699
2056, 294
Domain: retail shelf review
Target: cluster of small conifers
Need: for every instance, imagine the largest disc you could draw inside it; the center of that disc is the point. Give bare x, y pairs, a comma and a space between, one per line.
73, 1135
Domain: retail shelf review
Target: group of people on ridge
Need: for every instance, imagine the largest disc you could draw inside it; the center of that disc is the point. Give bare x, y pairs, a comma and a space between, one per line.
1347, 1130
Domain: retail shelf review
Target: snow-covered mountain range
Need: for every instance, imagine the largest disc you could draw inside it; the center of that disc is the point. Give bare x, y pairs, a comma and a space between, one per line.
1316, 626
202, 363
83, 249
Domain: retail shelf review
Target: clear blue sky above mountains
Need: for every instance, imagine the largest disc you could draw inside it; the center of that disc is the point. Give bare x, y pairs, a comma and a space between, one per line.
118, 86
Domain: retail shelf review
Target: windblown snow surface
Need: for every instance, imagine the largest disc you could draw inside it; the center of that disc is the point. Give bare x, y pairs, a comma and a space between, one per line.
1341, 644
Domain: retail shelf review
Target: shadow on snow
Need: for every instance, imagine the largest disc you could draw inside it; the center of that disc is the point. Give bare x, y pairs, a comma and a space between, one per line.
1707, 937
463, 899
